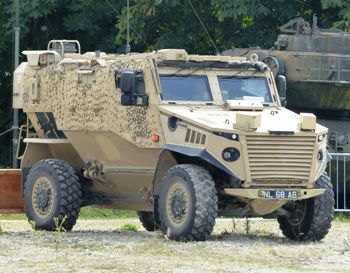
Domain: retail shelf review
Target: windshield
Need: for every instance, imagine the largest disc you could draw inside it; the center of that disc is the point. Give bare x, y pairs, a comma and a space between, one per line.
252, 89
185, 88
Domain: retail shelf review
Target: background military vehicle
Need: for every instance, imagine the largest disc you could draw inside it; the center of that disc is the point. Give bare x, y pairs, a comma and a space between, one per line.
316, 63
180, 138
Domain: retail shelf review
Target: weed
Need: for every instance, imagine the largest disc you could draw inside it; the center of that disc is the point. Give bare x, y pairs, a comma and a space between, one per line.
247, 226
129, 227
59, 228
234, 225
36, 233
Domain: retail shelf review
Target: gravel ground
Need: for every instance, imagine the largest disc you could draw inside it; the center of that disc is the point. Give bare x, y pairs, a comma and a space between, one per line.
105, 246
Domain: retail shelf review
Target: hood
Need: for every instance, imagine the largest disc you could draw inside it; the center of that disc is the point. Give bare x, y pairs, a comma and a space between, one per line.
217, 118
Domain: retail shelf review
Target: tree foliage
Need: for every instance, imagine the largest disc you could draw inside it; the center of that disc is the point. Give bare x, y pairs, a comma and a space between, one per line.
343, 9
154, 24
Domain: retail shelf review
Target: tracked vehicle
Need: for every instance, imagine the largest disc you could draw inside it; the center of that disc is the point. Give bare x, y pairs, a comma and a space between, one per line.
179, 138
316, 64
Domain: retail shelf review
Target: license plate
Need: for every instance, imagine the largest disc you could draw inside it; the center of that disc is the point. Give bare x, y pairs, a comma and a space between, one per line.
279, 194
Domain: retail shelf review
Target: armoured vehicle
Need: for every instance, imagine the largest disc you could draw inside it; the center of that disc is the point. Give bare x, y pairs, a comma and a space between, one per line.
316, 63
179, 138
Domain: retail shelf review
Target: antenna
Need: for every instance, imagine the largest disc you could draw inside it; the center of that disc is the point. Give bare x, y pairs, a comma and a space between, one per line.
128, 49
205, 29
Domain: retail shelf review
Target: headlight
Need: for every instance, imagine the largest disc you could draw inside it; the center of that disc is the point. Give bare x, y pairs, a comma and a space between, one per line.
230, 154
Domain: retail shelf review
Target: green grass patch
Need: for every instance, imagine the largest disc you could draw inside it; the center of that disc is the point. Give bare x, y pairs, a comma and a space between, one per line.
20, 216
342, 217
85, 213
98, 213
129, 227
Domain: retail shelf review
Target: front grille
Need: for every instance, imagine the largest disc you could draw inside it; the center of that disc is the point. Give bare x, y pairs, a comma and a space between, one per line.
280, 159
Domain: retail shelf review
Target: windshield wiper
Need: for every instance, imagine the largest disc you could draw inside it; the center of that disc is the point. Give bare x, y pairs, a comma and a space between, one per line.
237, 77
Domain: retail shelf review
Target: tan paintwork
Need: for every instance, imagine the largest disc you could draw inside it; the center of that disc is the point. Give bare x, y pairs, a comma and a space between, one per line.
307, 121
247, 121
113, 143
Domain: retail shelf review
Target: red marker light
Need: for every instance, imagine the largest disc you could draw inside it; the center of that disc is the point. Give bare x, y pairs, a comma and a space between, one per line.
155, 138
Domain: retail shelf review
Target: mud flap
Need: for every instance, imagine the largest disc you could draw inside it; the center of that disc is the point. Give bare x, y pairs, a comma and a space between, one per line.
11, 200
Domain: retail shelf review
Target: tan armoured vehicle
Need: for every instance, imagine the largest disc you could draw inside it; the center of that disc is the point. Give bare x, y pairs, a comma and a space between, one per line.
179, 138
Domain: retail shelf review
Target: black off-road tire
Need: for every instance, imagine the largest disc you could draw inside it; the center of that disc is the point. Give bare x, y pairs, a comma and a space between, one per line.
201, 204
317, 218
60, 200
148, 221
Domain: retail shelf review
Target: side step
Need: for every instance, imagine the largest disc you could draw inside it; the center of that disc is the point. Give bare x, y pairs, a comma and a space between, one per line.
11, 200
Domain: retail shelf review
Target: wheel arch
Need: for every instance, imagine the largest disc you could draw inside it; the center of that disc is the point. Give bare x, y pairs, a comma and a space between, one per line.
39, 149
172, 155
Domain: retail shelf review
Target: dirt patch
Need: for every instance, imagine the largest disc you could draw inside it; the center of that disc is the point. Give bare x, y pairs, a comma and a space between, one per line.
105, 246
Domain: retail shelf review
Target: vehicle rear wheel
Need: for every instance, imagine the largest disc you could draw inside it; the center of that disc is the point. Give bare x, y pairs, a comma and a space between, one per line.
310, 219
148, 221
52, 195
188, 203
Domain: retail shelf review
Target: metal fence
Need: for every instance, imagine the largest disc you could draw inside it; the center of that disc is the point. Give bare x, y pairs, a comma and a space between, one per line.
338, 172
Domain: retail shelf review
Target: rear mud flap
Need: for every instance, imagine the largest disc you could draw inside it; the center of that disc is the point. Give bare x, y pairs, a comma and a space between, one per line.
11, 200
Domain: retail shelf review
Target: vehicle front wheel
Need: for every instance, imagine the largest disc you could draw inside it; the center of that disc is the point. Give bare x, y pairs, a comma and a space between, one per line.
310, 219
188, 203
52, 195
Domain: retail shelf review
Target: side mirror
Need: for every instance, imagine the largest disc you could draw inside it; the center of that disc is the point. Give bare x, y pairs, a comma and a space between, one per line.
127, 82
132, 87
282, 89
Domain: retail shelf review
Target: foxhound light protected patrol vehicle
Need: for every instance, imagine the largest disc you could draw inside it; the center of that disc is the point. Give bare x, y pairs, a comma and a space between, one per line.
179, 138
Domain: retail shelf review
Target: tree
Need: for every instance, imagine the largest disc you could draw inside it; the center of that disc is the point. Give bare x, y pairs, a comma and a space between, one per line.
343, 9
41, 21
240, 23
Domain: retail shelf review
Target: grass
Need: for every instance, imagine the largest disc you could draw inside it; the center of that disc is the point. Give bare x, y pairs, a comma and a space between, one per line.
129, 227
342, 217
13, 216
85, 213
98, 213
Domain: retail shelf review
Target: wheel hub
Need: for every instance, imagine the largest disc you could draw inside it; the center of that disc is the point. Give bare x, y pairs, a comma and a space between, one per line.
42, 197
177, 205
